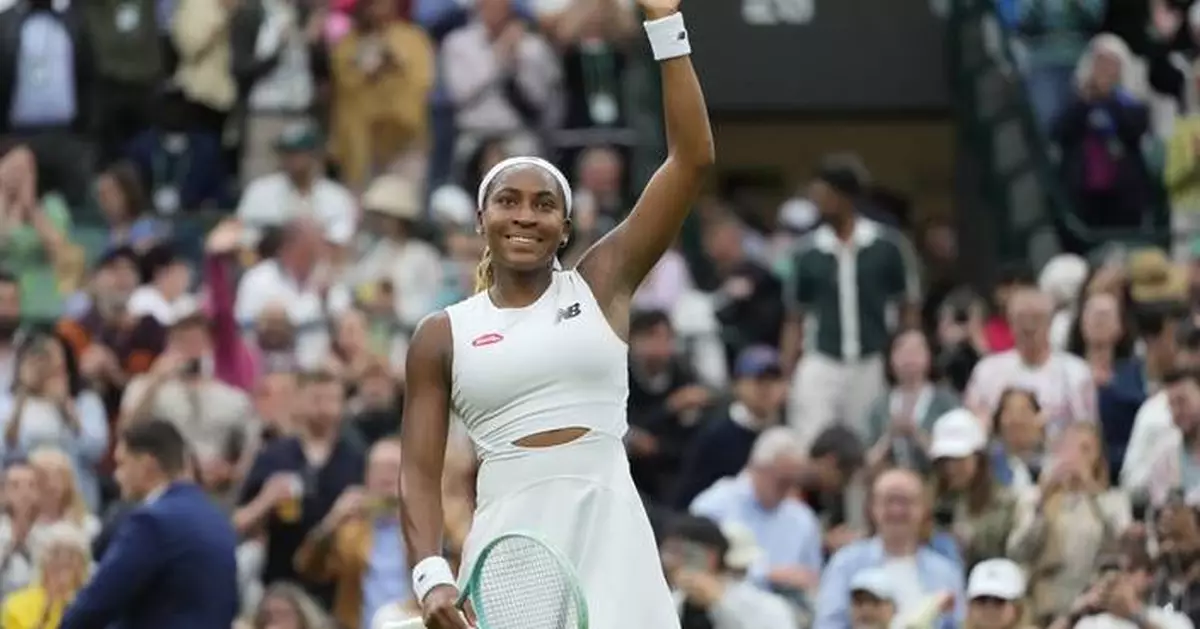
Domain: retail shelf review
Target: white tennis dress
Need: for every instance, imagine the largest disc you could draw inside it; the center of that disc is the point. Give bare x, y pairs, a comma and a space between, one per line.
557, 363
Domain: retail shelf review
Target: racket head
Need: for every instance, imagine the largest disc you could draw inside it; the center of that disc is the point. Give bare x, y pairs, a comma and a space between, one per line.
519, 581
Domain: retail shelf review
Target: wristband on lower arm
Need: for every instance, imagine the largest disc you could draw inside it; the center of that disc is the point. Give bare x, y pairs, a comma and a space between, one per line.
429, 573
668, 37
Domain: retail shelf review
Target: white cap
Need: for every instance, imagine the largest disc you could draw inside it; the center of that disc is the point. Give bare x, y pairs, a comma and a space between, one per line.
999, 578
453, 205
957, 433
1062, 277
146, 301
798, 214
873, 581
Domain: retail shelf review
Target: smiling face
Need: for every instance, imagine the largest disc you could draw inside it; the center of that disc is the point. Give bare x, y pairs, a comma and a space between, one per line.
524, 218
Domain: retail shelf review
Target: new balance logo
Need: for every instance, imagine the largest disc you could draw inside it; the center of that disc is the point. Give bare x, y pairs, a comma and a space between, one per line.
570, 312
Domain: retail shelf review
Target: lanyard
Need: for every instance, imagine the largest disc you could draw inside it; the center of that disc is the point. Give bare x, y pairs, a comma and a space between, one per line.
168, 168
597, 63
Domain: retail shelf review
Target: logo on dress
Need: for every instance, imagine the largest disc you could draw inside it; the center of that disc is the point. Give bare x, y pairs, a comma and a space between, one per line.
570, 312
483, 340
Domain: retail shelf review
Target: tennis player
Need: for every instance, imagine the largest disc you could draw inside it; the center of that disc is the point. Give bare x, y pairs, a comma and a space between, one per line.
535, 366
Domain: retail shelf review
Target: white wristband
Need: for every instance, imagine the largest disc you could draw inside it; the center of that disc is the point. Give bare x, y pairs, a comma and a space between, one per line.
429, 573
668, 37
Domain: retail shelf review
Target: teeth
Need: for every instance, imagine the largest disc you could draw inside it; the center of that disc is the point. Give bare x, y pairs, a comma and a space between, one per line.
522, 239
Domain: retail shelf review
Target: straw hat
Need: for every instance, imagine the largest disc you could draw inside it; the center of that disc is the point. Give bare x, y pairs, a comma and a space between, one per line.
394, 196
1153, 278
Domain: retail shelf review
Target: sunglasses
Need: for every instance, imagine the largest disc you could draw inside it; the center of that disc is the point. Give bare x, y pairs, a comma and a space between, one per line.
991, 601
862, 597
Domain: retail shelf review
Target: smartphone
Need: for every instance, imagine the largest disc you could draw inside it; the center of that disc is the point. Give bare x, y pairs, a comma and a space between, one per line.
943, 515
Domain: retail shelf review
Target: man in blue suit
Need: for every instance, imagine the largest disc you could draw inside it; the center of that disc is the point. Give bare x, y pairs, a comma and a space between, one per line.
171, 564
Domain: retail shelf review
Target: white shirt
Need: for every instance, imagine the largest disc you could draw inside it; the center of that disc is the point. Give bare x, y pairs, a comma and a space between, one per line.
1160, 618
666, 284
475, 81
209, 413
744, 605
904, 576
155, 494
1153, 427
272, 201
554, 7
266, 283
1063, 386
288, 87
148, 300
415, 270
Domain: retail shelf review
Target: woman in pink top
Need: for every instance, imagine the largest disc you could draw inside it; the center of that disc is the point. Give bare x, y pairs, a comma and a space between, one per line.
235, 361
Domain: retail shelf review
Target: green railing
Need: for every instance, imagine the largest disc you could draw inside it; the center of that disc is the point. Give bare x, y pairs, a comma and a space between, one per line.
1020, 182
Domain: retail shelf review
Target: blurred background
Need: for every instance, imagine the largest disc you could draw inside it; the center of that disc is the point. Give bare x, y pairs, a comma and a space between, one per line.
231, 214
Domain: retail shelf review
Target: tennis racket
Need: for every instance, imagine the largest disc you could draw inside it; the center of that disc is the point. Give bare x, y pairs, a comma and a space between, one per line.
520, 582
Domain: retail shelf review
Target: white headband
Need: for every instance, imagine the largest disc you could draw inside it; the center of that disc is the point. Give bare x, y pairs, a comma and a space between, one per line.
481, 199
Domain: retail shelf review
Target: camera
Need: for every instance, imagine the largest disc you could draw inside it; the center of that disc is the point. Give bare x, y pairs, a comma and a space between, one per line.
960, 304
943, 515
192, 368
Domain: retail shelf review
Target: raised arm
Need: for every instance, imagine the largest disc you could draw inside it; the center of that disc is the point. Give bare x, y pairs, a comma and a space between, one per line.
618, 262
423, 437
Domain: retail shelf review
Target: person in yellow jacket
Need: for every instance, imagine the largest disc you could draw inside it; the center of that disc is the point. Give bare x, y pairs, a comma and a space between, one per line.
383, 72
63, 562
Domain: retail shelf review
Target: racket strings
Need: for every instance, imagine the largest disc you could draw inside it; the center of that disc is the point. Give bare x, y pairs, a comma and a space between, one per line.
522, 586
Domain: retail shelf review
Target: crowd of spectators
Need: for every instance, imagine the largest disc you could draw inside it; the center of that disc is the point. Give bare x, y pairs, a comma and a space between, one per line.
828, 426
1112, 89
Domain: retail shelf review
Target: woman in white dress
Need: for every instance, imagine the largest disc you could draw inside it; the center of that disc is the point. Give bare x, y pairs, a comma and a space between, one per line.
535, 366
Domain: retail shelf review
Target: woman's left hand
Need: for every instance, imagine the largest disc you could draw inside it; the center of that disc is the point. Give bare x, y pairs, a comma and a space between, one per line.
702, 588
